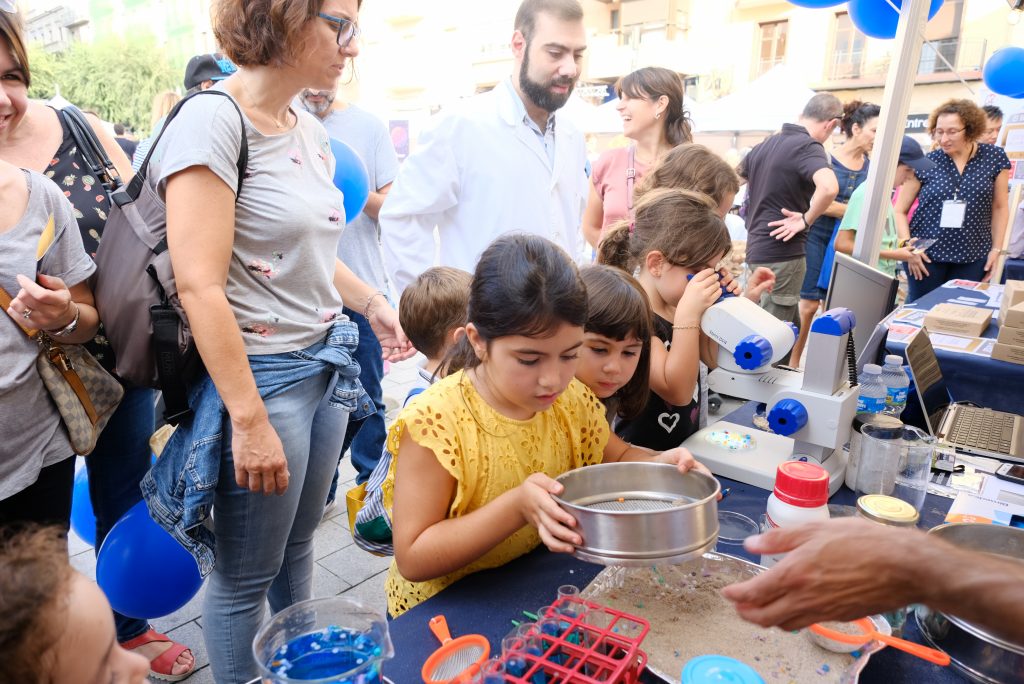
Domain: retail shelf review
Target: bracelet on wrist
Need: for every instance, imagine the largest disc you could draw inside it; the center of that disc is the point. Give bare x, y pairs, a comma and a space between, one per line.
369, 303
803, 217
70, 327
694, 326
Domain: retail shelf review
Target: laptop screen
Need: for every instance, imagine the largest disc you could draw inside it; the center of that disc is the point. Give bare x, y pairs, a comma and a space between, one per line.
932, 393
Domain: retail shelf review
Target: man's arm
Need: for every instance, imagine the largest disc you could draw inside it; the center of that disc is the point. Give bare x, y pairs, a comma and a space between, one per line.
847, 568
826, 187
426, 187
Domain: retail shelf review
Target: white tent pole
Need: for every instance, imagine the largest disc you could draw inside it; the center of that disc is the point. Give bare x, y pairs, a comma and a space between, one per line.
895, 104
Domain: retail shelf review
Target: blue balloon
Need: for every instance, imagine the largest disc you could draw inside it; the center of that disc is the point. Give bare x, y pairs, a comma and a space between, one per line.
1004, 72
876, 18
83, 520
816, 4
143, 571
351, 177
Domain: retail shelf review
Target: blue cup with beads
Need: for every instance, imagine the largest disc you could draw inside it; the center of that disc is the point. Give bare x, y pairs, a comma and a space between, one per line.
334, 640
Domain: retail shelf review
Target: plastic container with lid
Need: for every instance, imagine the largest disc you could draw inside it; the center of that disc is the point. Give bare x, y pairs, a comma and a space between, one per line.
897, 385
856, 440
800, 496
871, 391
718, 669
887, 510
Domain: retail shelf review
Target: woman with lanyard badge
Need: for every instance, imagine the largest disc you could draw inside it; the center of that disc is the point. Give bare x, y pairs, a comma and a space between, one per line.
651, 106
963, 201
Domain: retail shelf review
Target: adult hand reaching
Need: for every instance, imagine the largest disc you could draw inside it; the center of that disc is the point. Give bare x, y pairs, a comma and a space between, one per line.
394, 344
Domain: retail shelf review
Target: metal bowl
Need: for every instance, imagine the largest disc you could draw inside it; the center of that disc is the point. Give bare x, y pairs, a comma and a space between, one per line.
639, 513
979, 655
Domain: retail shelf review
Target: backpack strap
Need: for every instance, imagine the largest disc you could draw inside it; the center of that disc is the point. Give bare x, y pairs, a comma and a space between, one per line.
91, 149
131, 192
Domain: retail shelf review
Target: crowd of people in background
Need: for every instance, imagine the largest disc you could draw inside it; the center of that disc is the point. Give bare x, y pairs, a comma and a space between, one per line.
537, 360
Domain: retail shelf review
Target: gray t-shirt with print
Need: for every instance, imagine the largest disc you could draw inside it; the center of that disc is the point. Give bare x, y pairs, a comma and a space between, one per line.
288, 219
33, 436
362, 131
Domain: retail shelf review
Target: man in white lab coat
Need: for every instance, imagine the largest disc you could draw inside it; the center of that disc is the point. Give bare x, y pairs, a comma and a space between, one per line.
503, 161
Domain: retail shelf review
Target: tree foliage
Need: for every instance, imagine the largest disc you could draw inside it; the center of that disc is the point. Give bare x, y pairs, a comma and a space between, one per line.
116, 79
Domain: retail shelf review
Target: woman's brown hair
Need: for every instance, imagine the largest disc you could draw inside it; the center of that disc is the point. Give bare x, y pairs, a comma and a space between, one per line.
691, 167
263, 32
11, 31
971, 115
680, 224
617, 308
34, 579
650, 83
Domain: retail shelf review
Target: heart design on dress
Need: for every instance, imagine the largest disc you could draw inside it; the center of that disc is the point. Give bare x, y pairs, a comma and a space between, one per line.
668, 421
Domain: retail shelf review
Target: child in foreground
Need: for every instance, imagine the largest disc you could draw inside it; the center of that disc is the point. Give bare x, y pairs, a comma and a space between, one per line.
477, 452
57, 626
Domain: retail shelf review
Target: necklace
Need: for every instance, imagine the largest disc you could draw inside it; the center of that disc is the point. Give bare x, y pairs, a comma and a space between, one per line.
252, 104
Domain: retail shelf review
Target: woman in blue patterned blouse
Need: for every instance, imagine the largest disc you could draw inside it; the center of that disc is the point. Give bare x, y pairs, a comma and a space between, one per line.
963, 201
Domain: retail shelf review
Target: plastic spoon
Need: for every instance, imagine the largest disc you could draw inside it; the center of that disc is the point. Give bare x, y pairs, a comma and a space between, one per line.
869, 633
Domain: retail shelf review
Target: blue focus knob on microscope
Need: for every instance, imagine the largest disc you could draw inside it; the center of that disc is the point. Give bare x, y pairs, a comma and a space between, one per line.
752, 352
796, 330
787, 417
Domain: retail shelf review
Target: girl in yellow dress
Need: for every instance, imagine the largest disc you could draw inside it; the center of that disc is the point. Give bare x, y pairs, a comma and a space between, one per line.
471, 484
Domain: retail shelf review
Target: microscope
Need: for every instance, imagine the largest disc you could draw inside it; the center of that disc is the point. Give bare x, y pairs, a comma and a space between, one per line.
809, 411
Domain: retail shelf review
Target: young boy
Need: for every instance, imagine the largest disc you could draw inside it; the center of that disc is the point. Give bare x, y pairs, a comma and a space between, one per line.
432, 312
893, 249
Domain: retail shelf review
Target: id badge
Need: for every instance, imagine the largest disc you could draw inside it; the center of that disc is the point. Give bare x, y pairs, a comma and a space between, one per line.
953, 212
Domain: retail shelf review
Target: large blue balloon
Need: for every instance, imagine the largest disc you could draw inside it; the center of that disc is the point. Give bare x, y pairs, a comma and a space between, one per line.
816, 4
83, 520
143, 571
876, 18
1004, 72
351, 177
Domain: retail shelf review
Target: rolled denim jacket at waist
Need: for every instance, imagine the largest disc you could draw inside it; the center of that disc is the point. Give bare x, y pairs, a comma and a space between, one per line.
179, 489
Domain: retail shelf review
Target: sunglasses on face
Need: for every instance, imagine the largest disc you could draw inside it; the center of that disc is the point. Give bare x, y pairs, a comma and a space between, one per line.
347, 29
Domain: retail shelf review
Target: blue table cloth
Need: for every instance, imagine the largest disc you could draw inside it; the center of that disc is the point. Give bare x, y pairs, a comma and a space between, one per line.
979, 379
1013, 269
487, 602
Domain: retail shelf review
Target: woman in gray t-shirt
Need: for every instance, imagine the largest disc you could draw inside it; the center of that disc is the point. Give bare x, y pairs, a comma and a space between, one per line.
258, 275
44, 270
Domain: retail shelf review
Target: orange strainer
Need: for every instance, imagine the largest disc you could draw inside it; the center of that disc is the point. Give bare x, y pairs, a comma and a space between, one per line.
457, 660
841, 642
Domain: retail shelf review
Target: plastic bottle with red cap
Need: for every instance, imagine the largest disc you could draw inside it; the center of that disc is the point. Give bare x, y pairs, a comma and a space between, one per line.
800, 496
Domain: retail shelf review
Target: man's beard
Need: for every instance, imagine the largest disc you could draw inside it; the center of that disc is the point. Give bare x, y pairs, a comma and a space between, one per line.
317, 108
539, 93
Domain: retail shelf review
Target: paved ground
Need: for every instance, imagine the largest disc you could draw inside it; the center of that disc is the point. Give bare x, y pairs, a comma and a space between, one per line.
342, 568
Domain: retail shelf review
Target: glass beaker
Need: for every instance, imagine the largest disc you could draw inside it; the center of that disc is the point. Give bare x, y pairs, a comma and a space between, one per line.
895, 462
332, 640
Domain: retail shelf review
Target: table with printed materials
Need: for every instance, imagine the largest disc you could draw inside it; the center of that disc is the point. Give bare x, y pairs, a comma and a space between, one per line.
969, 371
487, 602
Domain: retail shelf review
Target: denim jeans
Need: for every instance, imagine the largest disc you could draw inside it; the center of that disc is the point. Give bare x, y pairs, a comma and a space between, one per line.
365, 437
264, 543
116, 467
939, 272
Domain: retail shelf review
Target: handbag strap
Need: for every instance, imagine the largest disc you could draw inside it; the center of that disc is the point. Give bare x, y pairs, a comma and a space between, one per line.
58, 358
5, 302
630, 179
91, 149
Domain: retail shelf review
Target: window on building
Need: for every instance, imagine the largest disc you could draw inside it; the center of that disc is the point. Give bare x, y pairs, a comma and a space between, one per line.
616, 19
772, 49
943, 34
848, 53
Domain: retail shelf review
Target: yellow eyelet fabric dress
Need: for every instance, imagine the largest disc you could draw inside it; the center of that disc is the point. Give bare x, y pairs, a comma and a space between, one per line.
489, 454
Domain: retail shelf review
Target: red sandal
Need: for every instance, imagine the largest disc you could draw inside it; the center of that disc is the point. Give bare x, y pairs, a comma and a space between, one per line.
162, 666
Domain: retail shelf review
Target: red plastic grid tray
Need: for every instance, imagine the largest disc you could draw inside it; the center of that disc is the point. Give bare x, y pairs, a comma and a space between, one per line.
596, 646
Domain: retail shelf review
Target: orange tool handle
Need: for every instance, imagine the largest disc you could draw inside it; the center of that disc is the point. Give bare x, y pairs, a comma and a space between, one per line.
439, 626
929, 654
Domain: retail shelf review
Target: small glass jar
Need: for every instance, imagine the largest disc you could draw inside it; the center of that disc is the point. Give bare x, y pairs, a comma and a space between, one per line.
888, 510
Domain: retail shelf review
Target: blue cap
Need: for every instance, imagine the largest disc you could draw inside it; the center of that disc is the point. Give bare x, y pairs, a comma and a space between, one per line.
717, 669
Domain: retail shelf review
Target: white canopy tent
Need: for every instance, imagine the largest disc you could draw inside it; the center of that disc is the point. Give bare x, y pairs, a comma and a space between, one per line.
767, 102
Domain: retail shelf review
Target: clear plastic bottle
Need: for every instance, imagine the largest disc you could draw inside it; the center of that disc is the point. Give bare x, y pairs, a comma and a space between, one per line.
897, 385
872, 390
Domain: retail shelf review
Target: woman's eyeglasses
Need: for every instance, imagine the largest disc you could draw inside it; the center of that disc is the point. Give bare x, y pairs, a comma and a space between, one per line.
347, 29
951, 133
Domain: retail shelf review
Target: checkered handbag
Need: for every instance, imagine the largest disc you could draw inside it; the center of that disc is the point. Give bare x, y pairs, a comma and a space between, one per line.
85, 394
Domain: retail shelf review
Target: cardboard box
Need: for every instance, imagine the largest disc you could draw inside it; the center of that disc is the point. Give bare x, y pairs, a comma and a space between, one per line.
1011, 309
1013, 337
1004, 352
954, 319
